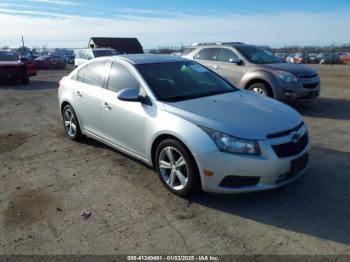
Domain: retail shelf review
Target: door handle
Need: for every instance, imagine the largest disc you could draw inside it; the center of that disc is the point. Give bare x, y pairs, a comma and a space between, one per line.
107, 106
79, 94
216, 67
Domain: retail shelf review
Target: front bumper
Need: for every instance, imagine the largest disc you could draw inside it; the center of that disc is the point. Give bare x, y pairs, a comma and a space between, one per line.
271, 170
306, 89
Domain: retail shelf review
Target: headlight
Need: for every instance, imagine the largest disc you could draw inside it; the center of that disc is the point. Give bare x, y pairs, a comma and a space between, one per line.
287, 77
230, 144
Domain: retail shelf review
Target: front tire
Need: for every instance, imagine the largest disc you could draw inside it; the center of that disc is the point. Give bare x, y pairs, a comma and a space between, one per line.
260, 89
71, 123
177, 168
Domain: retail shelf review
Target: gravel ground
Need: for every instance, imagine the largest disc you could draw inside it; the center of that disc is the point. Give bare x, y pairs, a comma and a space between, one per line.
47, 180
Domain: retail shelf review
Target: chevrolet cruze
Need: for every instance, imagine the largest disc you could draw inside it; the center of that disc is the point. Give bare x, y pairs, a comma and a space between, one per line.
195, 128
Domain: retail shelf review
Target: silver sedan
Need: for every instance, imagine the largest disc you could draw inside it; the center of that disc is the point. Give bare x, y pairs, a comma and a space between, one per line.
196, 129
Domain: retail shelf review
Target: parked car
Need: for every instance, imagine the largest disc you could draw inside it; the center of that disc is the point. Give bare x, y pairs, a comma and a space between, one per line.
12, 69
190, 124
313, 58
84, 55
345, 59
49, 62
30, 66
299, 58
283, 56
69, 59
329, 58
259, 71
290, 58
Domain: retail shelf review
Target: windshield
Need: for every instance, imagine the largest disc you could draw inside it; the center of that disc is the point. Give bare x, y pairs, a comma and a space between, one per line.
100, 53
8, 56
258, 55
178, 81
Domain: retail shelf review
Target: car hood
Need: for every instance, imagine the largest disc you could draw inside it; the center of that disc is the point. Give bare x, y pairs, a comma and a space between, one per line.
293, 68
240, 114
10, 63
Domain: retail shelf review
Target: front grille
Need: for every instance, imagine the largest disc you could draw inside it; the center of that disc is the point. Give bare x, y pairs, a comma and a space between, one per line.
291, 149
286, 132
239, 181
308, 76
310, 86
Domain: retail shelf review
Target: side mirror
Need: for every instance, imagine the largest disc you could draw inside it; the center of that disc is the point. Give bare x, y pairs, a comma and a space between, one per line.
240, 62
235, 61
131, 95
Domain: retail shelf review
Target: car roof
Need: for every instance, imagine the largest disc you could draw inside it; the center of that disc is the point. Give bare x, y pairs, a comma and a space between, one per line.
138, 59
229, 44
8, 51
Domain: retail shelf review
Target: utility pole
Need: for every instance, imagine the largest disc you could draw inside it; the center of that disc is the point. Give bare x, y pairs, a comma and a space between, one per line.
333, 52
24, 49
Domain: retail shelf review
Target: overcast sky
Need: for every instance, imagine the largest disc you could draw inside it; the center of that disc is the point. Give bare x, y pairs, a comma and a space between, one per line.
65, 23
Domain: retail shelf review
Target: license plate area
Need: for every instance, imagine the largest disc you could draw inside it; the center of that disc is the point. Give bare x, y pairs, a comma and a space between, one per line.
299, 164
314, 94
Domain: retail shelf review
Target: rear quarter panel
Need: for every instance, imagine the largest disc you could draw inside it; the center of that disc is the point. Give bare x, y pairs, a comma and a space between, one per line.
65, 92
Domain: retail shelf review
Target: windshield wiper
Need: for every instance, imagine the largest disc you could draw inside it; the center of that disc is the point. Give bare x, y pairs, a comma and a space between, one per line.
175, 98
182, 97
213, 93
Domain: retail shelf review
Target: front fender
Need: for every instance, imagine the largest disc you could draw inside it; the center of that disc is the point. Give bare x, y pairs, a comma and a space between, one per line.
194, 138
262, 75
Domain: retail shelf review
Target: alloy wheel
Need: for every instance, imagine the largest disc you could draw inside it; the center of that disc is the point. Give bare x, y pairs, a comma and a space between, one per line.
70, 123
173, 168
259, 91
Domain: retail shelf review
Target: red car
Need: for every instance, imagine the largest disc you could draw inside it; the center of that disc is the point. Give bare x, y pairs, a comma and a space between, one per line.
49, 62
30, 66
12, 69
345, 59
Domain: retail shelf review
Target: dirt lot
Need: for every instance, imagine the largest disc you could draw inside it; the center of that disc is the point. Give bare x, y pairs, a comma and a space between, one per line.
47, 180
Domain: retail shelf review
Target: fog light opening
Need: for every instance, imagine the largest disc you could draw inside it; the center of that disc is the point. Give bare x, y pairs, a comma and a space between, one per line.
288, 93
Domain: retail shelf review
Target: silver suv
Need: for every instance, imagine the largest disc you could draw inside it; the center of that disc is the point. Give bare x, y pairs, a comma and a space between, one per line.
84, 55
256, 69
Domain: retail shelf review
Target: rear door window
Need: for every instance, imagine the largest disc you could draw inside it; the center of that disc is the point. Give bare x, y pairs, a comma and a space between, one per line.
81, 74
207, 54
120, 78
94, 74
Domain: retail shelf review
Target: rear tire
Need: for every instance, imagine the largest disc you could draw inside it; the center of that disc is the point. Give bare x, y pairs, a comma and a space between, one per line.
177, 168
71, 123
261, 88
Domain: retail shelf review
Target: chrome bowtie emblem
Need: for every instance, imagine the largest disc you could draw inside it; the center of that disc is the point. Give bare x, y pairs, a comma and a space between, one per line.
295, 137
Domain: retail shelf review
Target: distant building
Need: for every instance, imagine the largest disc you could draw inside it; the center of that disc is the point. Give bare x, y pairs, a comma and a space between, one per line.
121, 45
